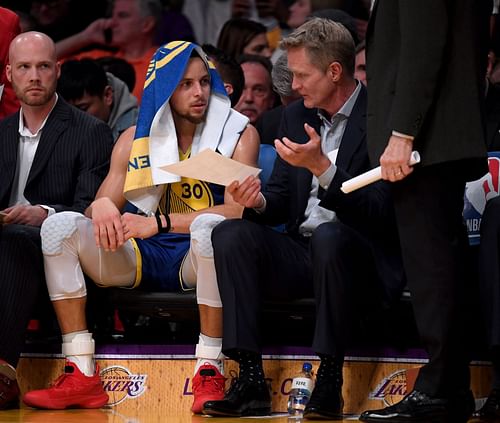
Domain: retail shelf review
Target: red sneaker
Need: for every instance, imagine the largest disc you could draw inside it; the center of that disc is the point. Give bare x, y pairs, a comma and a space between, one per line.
71, 389
208, 385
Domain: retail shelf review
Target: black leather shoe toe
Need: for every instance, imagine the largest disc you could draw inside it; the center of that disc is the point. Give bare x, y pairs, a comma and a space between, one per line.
326, 402
491, 408
242, 399
420, 407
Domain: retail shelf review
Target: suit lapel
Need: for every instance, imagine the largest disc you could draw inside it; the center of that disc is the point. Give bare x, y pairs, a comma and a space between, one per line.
304, 177
9, 146
56, 123
354, 133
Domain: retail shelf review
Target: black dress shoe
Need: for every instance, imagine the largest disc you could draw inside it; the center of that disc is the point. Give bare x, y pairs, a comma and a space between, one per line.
420, 407
326, 402
491, 408
244, 398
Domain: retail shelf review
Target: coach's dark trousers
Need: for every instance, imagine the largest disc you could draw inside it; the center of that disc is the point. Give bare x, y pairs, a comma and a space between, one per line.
254, 263
428, 206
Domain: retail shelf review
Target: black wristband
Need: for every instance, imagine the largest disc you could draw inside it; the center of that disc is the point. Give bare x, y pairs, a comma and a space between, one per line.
161, 229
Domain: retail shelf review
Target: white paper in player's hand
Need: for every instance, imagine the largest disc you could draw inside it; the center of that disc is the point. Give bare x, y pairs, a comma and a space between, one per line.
213, 167
372, 176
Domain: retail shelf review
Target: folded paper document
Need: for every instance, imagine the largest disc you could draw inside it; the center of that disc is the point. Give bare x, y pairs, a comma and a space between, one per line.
210, 166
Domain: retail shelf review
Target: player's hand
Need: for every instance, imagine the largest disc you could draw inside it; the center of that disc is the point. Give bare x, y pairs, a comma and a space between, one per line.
247, 194
396, 158
136, 226
108, 228
25, 215
308, 155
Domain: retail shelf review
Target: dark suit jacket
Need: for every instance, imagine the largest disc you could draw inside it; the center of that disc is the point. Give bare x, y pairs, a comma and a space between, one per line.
268, 125
492, 118
420, 84
70, 163
368, 210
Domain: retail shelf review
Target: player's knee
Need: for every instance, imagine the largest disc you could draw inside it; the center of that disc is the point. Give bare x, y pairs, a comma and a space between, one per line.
57, 228
201, 232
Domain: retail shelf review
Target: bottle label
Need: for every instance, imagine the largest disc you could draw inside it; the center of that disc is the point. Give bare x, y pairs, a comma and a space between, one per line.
302, 383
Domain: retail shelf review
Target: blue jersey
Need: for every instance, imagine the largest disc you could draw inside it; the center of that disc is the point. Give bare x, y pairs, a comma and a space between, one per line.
160, 258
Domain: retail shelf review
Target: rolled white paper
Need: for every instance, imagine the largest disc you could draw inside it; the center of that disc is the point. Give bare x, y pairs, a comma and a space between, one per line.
372, 176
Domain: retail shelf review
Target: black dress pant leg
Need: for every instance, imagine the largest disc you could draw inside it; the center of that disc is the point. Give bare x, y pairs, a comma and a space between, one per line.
428, 206
346, 285
489, 270
254, 262
22, 275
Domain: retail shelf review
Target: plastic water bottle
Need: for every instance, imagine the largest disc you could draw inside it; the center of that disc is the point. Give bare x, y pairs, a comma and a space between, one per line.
302, 386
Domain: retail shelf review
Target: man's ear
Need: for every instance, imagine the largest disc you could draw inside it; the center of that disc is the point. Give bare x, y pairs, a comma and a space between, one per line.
335, 71
8, 72
108, 95
148, 24
229, 88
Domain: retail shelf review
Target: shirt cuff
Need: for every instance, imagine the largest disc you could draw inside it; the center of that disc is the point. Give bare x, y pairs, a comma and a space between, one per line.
50, 210
401, 135
262, 208
326, 178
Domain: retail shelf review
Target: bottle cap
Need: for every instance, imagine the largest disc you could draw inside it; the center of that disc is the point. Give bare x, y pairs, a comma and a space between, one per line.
307, 367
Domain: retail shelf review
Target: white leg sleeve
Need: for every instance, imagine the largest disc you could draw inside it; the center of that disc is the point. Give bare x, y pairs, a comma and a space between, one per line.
202, 256
69, 249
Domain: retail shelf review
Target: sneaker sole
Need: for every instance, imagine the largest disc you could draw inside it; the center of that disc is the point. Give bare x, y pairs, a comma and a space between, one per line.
59, 405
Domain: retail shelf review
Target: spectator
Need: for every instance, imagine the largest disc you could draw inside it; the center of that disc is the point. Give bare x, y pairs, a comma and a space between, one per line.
173, 26
360, 65
72, 158
242, 36
258, 95
273, 14
154, 250
229, 70
298, 12
337, 15
62, 18
268, 124
433, 105
120, 68
328, 234
9, 22
84, 84
207, 18
131, 31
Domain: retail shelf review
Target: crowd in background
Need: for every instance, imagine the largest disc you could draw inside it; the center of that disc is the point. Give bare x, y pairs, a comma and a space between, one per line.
106, 48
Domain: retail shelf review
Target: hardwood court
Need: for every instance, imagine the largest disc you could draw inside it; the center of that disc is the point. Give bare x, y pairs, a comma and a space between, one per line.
152, 383
145, 416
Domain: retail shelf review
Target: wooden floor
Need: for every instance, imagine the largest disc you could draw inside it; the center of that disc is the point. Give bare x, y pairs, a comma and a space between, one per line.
112, 416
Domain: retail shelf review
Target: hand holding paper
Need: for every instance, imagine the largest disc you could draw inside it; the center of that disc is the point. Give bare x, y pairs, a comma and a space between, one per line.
213, 167
371, 176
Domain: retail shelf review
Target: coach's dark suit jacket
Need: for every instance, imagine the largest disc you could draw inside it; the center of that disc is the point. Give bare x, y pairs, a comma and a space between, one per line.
368, 210
70, 163
429, 90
